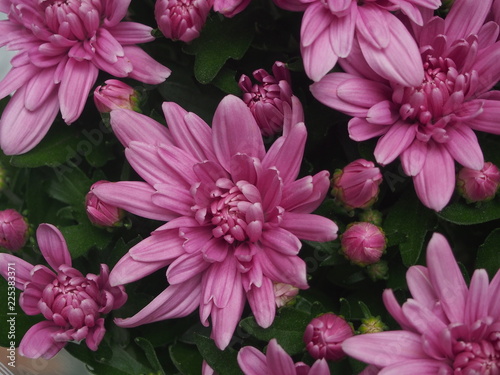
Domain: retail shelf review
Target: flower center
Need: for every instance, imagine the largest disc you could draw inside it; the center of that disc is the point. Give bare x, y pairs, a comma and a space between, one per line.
234, 210
433, 103
481, 357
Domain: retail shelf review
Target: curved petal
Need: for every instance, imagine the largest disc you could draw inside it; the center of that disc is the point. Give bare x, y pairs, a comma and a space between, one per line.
342, 31
315, 22
234, 130
53, 246
306, 194
394, 142
417, 367
159, 247
464, 147
146, 161
76, 82
278, 361
318, 58
17, 77
20, 129
132, 126
128, 269
435, 183
131, 33
39, 342
144, 67
385, 348
320, 367
176, 301
309, 227
420, 286
22, 269
134, 197
476, 306
465, 18
262, 302
252, 361
446, 278
413, 158
487, 120
362, 130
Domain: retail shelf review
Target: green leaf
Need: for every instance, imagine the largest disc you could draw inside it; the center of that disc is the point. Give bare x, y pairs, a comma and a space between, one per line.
186, 358
150, 353
469, 214
221, 39
223, 362
488, 255
82, 237
288, 328
58, 147
408, 217
70, 186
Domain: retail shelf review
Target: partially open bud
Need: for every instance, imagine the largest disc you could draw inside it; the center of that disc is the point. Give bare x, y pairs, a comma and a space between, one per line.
284, 293
478, 185
271, 99
357, 185
13, 230
363, 243
115, 94
324, 336
102, 213
182, 19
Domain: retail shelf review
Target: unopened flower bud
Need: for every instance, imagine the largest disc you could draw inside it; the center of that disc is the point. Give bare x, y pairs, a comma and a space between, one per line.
271, 99
182, 19
378, 271
115, 94
478, 185
357, 185
284, 293
13, 230
324, 336
102, 213
363, 243
372, 324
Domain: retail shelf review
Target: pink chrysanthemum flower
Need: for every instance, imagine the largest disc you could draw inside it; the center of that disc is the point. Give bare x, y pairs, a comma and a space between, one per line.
329, 29
235, 213
73, 304
62, 45
276, 362
430, 124
448, 328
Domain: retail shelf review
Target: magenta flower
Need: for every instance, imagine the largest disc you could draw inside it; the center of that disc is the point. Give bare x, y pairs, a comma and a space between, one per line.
330, 28
324, 336
276, 362
99, 212
182, 19
62, 45
479, 185
271, 100
235, 212
363, 243
448, 328
13, 230
73, 304
115, 94
230, 8
430, 124
357, 185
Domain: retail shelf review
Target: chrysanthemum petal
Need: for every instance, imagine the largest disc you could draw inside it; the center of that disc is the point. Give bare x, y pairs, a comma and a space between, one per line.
362, 130
144, 67
131, 33
466, 17
394, 142
464, 147
252, 361
318, 57
278, 361
262, 302
53, 246
22, 268
38, 341
160, 246
417, 367
310, 227
128, 270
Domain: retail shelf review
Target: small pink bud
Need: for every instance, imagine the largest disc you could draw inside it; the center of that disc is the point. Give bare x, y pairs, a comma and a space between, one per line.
324, 336
182, 19
357, 185
13, 230
102, 213
478, 185
284, 293
363, 243
115, 95
271, 100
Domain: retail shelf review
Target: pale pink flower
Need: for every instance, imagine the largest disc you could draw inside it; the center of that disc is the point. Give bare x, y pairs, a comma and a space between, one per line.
478, 185
62, 45
324, 336
182, 19
99, 212
357, 185
235, 213
115, 94
329, 29
230, 8
271, 100
363, 243
448, 328
72, 304
13, 230
430, 124
284, 293
276, 362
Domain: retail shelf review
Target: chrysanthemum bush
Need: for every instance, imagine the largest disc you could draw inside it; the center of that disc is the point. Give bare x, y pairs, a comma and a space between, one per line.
202, 213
